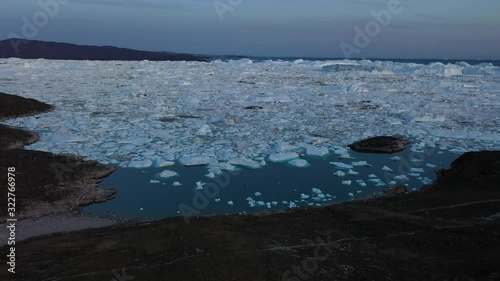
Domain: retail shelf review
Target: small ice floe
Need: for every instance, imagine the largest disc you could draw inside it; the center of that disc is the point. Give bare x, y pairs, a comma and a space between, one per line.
348, 182
417, 170
140, 164
141, 209
426, 181
352, 172
359, 191
304, 196
416, 160
414, 174
395, 158
430, 165
210, 175
341, 165
385, 168
372, 176
317, 151
245, 162
251, 202
339, 173
200, 185
283, 157
361, 182
300, 163
360, 163
204, 130
268, 205
230, 203
168, 174
401, 178
194, 161
154, 181
166, 164
317, 191
274, 203
257, 194
217, 200
176, 183
292, 205
320, 195
284, 202
350, 194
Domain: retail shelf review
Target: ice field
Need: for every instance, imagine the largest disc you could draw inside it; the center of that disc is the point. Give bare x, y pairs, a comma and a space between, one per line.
239, 113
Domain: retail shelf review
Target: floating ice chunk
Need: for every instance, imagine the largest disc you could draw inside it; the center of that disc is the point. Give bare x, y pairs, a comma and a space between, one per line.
300, 163
194, 161
350, 194
140, 164
261, 203
304, 196
426, 181
223, 166
431, 165
429, 119
340, 151
321, 195
372, 176
385, 168
274, 203
283, 147
176, 183
401, 178
292, 205
204, 130
339, 173
200, 185
360, 163
317, 151
361, 182
359, 191
416, 160
154, 181
210, 175
217, 200
352, 172
166, 164
283, 157
257, 194
395, 158
348, 182
341, 165
167, 174
245, 162
414, 174
317, 191
230, 203
417, 170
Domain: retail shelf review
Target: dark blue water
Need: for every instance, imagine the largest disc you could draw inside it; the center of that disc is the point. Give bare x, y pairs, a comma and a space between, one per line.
279, 184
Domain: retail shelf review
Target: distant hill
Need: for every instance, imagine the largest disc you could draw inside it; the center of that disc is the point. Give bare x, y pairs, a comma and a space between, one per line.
31, 49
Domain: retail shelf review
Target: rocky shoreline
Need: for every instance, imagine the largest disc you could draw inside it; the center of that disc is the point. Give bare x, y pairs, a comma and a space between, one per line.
448, 231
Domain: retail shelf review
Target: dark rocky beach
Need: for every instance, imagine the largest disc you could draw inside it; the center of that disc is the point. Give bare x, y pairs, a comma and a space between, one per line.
449, 230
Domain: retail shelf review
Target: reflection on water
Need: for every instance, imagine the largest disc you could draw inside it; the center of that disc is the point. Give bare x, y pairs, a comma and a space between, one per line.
142, 195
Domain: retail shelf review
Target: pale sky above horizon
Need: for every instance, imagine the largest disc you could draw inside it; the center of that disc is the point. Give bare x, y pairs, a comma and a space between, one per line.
445, 29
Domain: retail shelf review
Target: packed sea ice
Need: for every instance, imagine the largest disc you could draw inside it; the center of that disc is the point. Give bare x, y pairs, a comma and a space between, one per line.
236, 113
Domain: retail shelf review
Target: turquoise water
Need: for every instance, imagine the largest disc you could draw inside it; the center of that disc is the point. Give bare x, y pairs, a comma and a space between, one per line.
278, 186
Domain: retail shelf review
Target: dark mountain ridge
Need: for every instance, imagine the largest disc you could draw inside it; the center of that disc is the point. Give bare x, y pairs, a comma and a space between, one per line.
32, 49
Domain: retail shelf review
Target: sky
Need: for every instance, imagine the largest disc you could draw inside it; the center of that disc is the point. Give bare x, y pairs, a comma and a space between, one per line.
441, 29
